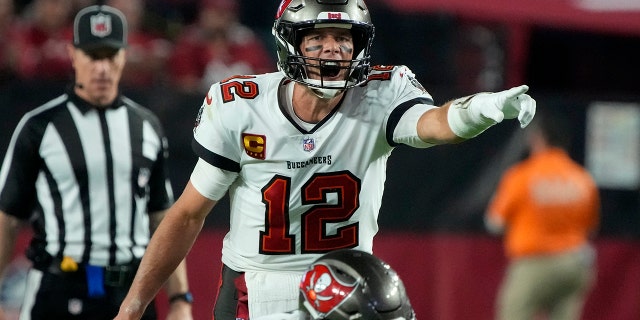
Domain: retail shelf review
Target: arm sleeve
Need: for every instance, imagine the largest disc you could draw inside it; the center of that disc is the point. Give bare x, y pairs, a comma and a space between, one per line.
408, 100
160, 192
406, 132
213, 136
507, 197
20, 170
212, 182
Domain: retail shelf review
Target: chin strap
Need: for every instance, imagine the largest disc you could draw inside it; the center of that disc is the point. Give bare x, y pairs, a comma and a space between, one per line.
326, 93
335, 88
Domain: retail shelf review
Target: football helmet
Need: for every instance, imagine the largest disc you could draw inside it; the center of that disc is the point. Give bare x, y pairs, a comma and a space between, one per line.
295, 17
352, 284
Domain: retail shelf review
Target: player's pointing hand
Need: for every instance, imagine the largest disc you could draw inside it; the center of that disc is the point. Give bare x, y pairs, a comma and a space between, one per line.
518, 104
469, 116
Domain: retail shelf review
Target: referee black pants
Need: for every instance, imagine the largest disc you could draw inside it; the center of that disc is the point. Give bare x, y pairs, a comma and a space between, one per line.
54, 296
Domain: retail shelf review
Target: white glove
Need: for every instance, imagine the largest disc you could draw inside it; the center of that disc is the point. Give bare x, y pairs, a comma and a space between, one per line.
470, 116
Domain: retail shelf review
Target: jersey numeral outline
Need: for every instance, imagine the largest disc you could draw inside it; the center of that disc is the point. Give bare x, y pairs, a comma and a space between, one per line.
383, 75
229, 88
277, 238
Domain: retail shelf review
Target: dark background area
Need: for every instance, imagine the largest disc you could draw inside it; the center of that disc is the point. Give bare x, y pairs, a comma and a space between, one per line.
446, 188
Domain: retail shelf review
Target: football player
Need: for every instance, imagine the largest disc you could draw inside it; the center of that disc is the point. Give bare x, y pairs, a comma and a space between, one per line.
302, 154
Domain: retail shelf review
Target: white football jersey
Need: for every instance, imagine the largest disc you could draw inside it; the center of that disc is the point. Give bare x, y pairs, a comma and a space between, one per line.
302, 192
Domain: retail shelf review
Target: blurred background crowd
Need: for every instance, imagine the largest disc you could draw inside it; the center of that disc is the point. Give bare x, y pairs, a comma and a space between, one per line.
184, 44
578, 56
453, 47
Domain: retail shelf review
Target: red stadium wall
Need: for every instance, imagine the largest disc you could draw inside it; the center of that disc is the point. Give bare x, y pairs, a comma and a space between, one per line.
448, 277
452, 277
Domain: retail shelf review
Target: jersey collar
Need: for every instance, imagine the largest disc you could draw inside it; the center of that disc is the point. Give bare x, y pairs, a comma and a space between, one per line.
85, 106
284, 97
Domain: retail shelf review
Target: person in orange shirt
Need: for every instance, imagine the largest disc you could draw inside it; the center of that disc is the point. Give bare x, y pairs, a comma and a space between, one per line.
548, 206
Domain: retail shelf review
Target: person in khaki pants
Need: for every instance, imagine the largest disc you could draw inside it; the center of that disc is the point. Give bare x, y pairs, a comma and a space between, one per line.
548, 207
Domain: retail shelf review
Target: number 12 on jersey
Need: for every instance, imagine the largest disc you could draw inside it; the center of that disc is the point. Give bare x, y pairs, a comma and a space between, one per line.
277, 237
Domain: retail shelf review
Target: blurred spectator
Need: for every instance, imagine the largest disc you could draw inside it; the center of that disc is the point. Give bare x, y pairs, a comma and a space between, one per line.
80, 4
176, 13
548, 206
7, 51
42, 35
215, 47
478, 59
147, 52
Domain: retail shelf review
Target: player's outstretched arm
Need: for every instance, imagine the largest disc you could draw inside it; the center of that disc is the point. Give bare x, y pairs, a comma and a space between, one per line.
470, 116
169, 245
467, 117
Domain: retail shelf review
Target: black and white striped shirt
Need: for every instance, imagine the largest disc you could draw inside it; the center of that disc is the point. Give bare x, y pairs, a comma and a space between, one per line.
87, 178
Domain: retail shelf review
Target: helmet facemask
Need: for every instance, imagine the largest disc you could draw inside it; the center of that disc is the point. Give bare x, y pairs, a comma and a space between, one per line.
298, 19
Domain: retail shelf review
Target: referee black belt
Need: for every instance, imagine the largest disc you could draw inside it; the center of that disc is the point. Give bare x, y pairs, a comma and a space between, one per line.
114, 276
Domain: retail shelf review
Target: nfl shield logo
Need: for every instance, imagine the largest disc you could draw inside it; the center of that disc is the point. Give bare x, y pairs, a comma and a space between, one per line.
308, 144
101, 25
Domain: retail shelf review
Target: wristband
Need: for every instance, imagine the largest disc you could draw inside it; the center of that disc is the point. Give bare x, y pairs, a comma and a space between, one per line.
186, 297
464, 121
